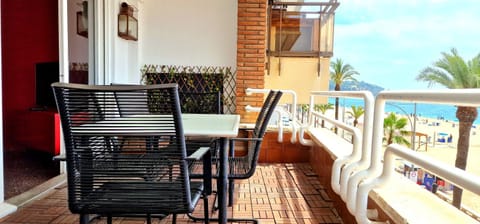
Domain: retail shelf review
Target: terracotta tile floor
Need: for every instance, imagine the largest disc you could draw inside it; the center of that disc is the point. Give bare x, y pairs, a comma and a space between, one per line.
277, 193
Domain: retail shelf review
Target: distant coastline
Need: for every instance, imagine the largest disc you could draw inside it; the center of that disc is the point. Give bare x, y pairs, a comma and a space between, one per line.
357, 86
433, 111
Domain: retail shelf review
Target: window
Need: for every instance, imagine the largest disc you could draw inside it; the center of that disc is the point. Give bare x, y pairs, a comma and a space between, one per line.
301, 29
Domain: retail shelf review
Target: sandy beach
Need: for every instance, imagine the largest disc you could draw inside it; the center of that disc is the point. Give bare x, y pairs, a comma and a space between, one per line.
446, 151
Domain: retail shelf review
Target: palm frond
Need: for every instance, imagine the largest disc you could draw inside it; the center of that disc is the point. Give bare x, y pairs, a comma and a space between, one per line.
356, 112
401, 140
323, 107
341, 72
452, 71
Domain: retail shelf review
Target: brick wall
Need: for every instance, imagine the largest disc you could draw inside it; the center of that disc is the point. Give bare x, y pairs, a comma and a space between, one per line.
322, 163
251, 35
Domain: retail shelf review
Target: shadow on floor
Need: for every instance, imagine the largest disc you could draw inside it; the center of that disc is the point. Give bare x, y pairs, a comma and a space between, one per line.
25, 169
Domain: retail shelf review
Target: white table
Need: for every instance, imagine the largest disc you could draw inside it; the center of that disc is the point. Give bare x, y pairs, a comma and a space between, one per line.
221, 126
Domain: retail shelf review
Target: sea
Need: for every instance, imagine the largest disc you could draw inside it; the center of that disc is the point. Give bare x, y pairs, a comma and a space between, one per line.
435, 111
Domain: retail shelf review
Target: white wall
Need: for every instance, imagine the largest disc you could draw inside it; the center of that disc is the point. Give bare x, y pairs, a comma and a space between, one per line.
189, 32
171, 32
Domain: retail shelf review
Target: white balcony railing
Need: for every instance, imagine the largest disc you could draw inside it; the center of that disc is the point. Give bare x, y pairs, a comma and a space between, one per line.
291, 114
356, 174
344, 167
459, 97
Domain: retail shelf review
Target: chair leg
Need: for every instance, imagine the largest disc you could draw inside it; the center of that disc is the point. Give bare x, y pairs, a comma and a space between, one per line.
174, 218
206, 218
149, 219
205, 208
231, 189
109, 219
84, 219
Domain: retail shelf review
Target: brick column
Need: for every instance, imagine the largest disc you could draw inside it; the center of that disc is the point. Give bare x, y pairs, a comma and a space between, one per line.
251, 36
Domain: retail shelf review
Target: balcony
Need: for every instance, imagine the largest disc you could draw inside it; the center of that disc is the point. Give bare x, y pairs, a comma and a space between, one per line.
302, 181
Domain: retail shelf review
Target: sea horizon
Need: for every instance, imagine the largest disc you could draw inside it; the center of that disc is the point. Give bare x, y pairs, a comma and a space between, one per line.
426, 110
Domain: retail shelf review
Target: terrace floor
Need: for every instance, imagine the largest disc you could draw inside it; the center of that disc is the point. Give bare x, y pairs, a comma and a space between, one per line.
277, 193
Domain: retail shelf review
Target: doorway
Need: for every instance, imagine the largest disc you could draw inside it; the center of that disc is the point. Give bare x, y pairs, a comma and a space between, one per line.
57, 34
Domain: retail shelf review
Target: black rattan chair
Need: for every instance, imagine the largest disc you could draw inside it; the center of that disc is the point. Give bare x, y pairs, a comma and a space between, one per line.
243, 167
132, 180
190, 102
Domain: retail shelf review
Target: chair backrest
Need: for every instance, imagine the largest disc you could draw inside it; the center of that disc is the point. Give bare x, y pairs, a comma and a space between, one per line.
261, 124
201, 102
135, 103
266, 112
105, 178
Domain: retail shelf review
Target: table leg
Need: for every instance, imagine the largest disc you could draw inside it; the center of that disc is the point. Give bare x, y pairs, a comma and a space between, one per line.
222, 182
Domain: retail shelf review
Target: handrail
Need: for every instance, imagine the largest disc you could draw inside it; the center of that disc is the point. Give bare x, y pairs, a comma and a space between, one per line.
249, 108
369, 177
455, 175
348, 188
293, 138
339, 163
301, 139
293, 113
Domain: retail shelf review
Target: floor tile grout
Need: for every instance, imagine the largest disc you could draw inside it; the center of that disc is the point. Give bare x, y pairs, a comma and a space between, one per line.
277, 193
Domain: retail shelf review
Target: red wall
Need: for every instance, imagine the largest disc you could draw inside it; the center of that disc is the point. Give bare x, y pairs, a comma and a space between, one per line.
29, 36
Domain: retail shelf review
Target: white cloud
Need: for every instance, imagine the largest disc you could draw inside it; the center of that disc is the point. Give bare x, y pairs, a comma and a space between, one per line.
389, 42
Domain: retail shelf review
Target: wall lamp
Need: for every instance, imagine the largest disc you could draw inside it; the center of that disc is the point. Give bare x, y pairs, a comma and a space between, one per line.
127, 24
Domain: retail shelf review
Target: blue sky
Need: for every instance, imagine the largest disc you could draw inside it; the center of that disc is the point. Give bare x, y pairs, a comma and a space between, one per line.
390, 41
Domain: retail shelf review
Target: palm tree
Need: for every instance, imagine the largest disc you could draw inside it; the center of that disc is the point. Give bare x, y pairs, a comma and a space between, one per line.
356, 113
304, 109
323, 109
453, 72
394, 128
339, 73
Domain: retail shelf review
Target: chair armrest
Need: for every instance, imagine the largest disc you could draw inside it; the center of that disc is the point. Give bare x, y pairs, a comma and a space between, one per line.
246, 129
246, 139
60, 157
233, 140
203, 153
199, 153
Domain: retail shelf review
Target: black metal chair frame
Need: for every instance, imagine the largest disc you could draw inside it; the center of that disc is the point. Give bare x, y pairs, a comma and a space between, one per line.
190, 102
133, 180
244, 167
